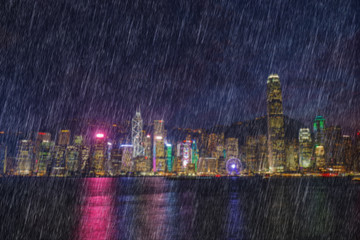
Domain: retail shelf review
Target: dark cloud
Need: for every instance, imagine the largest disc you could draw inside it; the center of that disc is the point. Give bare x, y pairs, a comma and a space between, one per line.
193, 64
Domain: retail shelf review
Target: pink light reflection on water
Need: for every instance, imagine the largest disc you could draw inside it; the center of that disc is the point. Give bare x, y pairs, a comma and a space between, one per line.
97, 218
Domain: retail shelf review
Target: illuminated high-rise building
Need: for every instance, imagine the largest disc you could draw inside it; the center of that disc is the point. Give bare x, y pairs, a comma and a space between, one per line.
159, 160
221, 165
332, 146
232, 148
261, 151
99, 155
207, 165
319, 131
347, 153
275, 121
169, 158
24, 157
85, 163
305, 148
41, 137
251, 160
357, 152
195, 154
80, 154
78, 140
256, 153
212, 142
116, 158
58, 168
3, 158
319, 143
72, 160
137, 134
3, 153
320, 158
184, 151
292, 155
141, 165
44, 157
127, 164
220, 146
64, 137
178, 164
148, 151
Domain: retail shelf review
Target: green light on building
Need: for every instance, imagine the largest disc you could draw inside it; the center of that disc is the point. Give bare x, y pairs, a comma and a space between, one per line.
169, 157
195, 154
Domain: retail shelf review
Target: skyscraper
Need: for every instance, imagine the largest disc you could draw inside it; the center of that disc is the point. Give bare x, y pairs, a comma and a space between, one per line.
357, 152
320, 158
44, 157
169, 158
116, 157
98, 158
3, 158
58, 168
64, 138
319, 142
319, 131
347, 153
24, 157
148, 151
292, 155
232, 148
127, 164
72, 160
59, 161
41, 137
137, 134
262, 153
159, 162
251, 153
332, 146
184, 151
195, 154
275, 121
305, 148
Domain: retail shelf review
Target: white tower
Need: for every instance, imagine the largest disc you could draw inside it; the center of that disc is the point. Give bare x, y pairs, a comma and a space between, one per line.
137, 134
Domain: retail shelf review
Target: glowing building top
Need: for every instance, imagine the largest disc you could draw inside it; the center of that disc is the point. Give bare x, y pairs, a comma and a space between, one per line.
304, 135
273, 78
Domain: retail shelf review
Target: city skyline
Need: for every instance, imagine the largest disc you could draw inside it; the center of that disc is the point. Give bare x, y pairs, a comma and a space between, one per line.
175, 119
103, 154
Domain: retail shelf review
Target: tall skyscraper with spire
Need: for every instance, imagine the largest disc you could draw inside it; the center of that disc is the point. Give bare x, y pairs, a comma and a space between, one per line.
275, 123
137, 134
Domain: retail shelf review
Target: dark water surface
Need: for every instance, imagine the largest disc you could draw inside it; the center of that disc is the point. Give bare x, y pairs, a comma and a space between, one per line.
160, 208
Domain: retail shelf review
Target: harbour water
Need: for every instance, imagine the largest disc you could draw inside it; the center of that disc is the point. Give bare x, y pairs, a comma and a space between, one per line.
160, 208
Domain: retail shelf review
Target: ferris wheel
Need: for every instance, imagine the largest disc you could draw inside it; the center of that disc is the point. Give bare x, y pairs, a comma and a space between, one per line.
234, 166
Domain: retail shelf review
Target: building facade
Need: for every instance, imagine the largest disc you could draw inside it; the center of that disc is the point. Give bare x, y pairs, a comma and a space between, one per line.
159, 159
24, 157
275, 121
305, 149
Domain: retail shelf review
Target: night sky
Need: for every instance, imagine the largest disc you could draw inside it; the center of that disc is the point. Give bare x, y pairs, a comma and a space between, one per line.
193, 64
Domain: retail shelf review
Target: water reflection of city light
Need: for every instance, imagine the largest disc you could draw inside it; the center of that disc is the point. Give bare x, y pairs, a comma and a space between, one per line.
97, 219
235, 217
